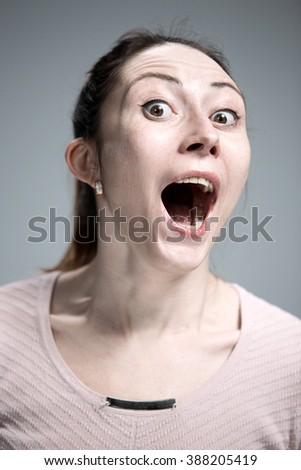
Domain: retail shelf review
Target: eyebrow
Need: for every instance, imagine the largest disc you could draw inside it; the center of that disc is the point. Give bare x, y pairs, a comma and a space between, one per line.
227, 84
172, 79
161, 76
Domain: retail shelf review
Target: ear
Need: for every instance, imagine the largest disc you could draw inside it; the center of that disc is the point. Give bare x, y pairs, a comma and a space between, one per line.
82, 161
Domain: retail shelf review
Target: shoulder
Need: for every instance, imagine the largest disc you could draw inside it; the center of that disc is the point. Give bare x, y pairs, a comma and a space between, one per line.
275, 334
266, 313
269, 372
22, 305
19, 294
19, 300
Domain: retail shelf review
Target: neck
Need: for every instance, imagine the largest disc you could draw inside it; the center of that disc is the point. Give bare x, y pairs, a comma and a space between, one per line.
129, 296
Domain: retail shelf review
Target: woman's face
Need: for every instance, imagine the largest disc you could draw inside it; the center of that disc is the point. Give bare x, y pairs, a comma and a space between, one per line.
175, 114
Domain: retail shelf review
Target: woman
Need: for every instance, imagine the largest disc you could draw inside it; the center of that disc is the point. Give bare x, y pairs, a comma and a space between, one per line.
131, 342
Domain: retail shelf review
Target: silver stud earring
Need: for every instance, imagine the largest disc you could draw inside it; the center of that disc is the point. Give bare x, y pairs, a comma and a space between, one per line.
98, 187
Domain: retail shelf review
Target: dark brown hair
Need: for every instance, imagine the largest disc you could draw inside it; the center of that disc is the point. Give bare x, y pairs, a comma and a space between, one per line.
102, 79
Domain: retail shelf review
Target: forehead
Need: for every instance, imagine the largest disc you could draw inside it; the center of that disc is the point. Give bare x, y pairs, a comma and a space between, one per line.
184, 61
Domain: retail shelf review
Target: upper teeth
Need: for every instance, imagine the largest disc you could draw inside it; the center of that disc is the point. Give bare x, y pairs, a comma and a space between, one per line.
206, 185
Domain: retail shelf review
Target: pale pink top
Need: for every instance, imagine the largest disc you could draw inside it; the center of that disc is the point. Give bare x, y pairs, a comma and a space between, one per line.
252, 402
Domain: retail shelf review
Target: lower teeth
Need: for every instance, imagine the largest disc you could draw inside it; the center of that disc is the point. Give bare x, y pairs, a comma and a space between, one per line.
197, 223
197, 217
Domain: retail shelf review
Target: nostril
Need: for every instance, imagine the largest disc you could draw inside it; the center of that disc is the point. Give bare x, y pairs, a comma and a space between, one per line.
194, 147
214, 151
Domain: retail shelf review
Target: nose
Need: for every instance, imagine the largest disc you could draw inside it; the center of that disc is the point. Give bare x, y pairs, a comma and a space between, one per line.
202, 140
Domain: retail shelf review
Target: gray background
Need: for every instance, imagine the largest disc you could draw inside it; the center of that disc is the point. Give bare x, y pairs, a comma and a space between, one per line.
46, 48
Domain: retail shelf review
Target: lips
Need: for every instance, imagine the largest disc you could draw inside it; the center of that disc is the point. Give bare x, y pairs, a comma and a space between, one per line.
189, 200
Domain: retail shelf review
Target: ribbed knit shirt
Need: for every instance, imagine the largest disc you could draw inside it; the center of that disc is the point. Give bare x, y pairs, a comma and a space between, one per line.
252, 402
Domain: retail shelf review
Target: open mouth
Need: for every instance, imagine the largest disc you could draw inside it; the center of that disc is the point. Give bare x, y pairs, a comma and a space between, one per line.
189, 201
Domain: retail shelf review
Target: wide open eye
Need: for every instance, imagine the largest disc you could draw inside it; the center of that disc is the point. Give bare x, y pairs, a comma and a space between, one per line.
157, 109
225, 117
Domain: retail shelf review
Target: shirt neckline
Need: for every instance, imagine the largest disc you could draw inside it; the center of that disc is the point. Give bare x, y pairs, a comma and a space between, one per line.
215, 382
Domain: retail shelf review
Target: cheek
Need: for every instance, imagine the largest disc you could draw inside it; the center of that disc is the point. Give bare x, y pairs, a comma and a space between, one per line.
130, 162
137, 149
117, 154
238, 163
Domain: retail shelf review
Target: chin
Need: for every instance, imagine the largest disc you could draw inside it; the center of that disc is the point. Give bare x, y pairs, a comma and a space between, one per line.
181, 257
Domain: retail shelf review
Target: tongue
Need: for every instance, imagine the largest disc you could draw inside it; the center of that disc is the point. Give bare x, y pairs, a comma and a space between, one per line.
179, 212
184, 203
184, 214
